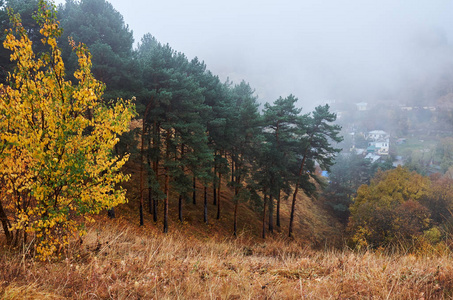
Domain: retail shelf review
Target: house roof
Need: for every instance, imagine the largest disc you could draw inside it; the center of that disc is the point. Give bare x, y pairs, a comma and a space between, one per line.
372, 157
382, 132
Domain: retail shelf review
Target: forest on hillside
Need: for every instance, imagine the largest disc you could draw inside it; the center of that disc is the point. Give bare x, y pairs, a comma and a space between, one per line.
67, 133
135, 173
192, 127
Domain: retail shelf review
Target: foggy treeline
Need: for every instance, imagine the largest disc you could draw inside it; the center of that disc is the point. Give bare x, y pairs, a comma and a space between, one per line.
193, 129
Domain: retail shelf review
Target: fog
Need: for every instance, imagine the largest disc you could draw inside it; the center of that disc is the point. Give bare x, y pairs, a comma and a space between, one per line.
318, 50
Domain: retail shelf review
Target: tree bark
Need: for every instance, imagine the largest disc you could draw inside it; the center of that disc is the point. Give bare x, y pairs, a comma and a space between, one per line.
214, 192
278, 209
232, 168
205, 214
194, 195
4, 219
155, 203
156, 143
180, 195
180, 208
219, 197
264, 216
141, 160
271, 213
167, 192
296, 189
293, 204
141, 171
150, 192
236, 203
167, 181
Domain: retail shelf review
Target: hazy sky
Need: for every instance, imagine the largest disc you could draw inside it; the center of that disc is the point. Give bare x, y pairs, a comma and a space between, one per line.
354, 50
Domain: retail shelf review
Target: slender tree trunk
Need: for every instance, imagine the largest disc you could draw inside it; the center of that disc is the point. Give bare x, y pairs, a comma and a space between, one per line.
296, 189
278, 208
156, 144
236, 204
264, 216
167, 192
155, 203
205, 214
214, 181
194, 193
16, 238
142, 160
180, 208
150, 192
232, 168
293, 204
180, 195
5, 224
111, 213
167, 182
150, 201
141, 173
271, 213
219, 197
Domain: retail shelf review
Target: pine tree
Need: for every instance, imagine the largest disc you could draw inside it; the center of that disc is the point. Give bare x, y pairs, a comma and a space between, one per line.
245, 126
175, 118
102, 29
280, 131
315, 135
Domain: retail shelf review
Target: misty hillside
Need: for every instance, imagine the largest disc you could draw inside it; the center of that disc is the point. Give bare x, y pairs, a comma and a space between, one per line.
130, 170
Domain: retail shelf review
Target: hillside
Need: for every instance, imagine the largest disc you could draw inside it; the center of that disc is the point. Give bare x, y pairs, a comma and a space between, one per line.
120, 261
313, 224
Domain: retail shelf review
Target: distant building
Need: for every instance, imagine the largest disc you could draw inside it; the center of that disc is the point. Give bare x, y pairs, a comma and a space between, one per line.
378, 142
377, 135
372, 157
361, 106
379, 148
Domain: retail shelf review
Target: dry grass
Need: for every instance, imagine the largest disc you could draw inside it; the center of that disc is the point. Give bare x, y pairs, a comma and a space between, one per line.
118, 261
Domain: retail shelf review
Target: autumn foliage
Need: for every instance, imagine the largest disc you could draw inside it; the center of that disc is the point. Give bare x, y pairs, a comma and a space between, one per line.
57, 164
400, 207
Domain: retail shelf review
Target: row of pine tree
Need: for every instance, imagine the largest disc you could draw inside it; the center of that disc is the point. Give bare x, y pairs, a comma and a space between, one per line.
195, 128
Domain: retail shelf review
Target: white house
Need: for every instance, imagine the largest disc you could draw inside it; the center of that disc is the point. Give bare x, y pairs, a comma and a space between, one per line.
377, 135
381, 147
379, 142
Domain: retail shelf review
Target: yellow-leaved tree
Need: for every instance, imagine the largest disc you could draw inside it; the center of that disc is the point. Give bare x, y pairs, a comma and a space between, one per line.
389, 211
57, 165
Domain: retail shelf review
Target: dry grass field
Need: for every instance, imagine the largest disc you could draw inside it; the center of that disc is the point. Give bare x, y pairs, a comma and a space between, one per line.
118, 261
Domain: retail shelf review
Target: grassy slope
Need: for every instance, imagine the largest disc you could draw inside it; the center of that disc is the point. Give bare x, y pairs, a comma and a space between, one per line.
313, 224
120, 260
